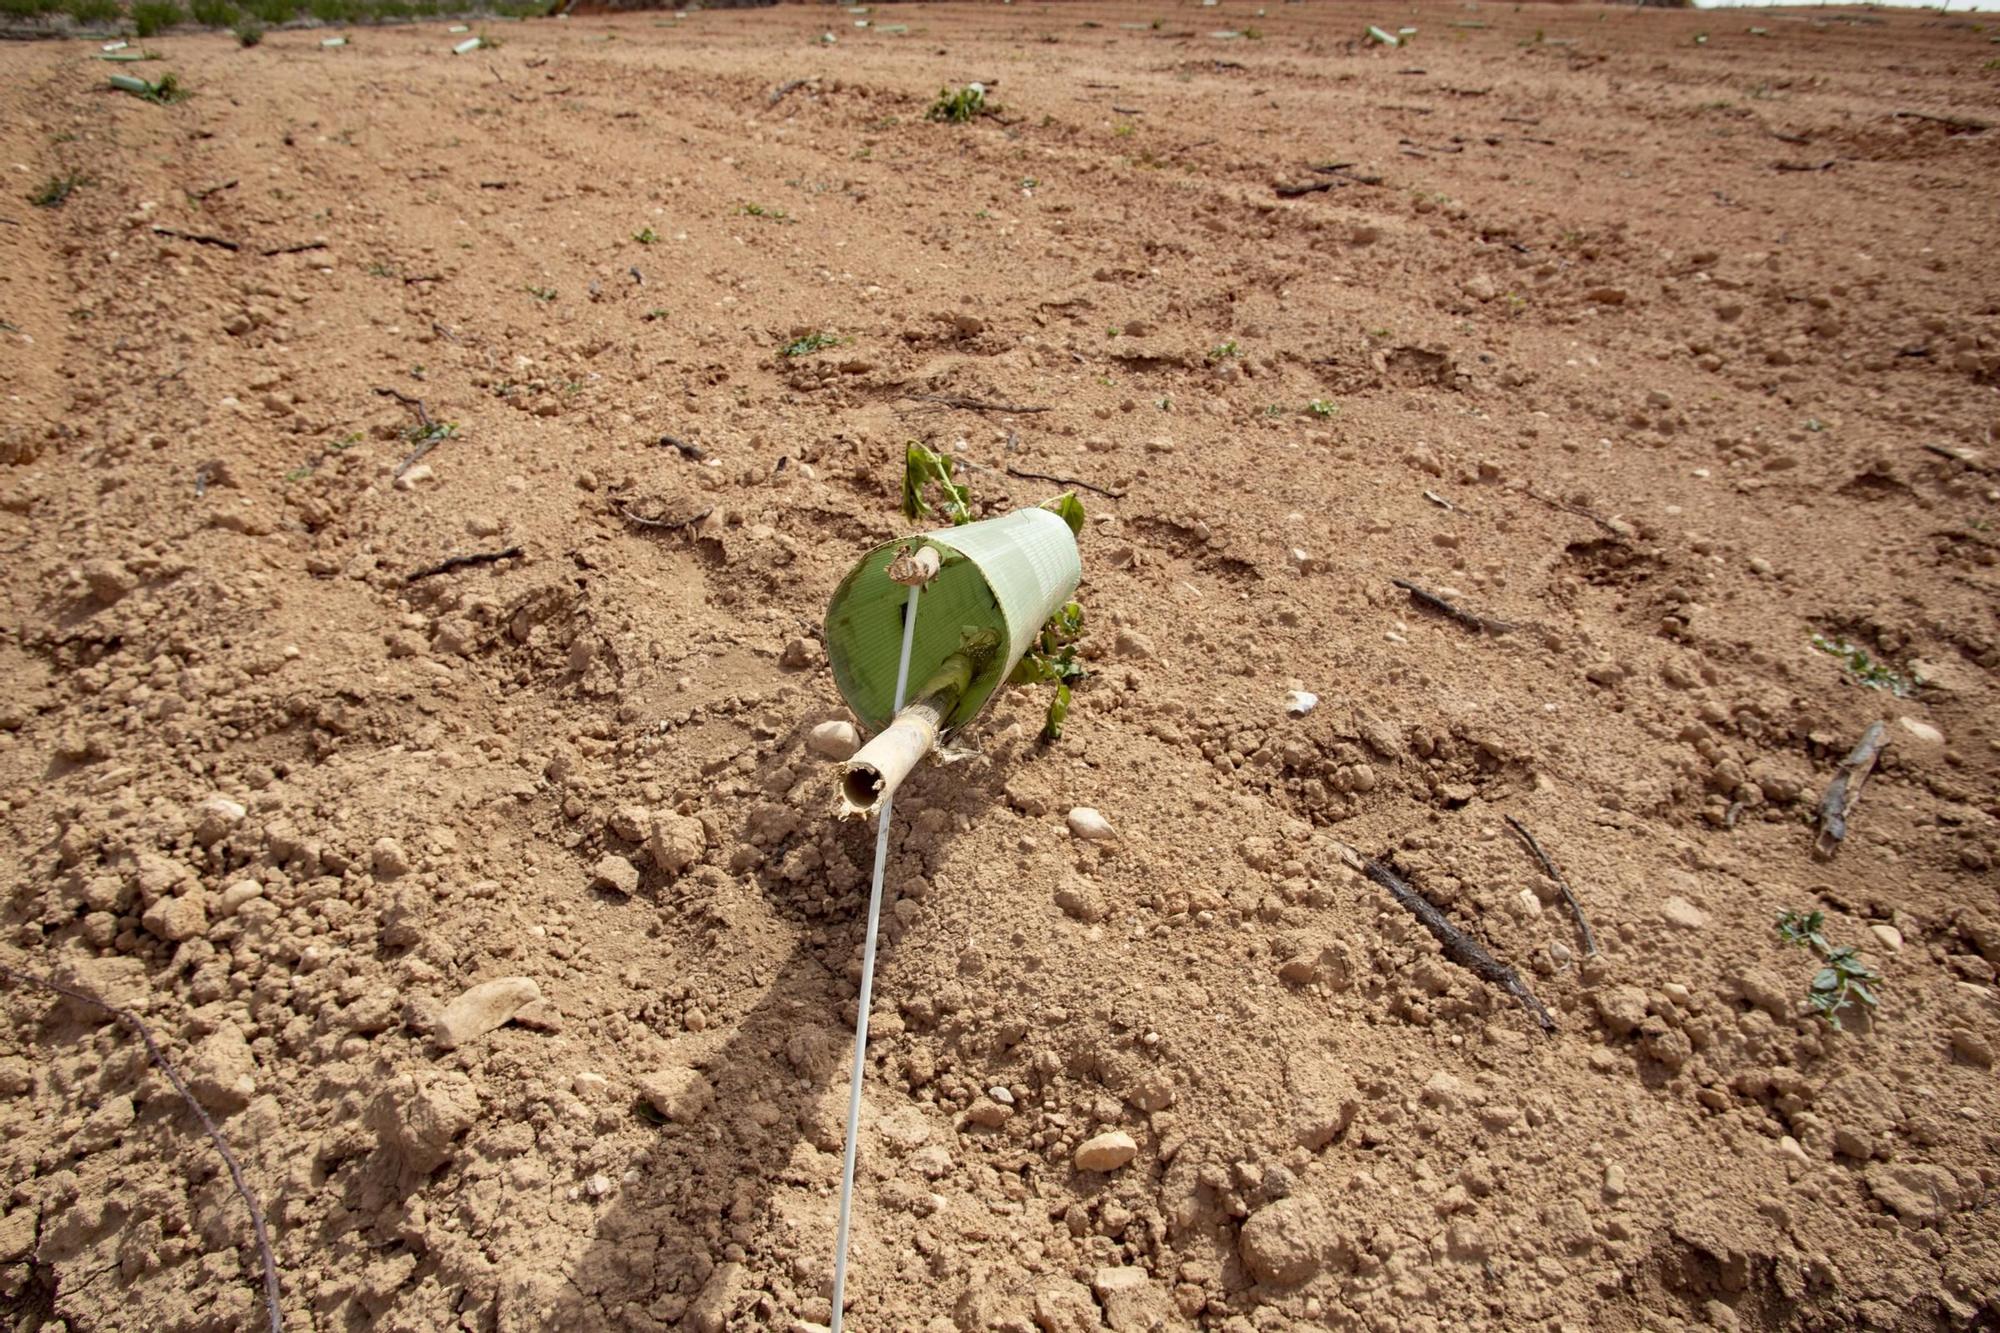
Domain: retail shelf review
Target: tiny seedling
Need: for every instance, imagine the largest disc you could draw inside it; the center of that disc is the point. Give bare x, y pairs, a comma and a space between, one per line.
815, 341
768, 214
645, 236
56, 190
921, 468
1844, 980
1875, 675
1224, 351
960, 107
541, 293
1319, 407
434, 432
166, 92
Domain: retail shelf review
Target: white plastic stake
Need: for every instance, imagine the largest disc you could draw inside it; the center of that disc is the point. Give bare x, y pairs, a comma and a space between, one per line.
867, 992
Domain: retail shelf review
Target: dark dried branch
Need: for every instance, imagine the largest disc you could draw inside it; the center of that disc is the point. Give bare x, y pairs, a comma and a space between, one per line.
137, 1026
1425, 597
1065, 481
1459, 947
687, 448
1844, 792
1569, 895
464, 562
1566, 507
298, 249
198, 238
974, 404
660, 524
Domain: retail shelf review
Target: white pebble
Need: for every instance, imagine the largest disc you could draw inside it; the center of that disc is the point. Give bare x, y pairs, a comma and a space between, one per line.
834, 740
1300, 702
1087, 824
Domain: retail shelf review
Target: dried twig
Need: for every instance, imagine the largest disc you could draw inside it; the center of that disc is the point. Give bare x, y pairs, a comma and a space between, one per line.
1610, 526
133, 1023
1065, 481
1569, 896
687, 448
1844, 792
199, 239
199, 195
659, 524
974, 404
465, 561
298, 249
1965, 123
1962, 456
1436, 603
1460, 947
1289, 191
1804, 166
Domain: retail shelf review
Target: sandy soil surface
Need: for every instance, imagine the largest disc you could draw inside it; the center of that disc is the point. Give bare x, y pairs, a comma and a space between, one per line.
1671, 340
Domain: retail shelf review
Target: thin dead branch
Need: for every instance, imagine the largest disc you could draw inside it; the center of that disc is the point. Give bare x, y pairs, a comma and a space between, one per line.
1569, 895
1965, 123
465, 562
298, 249
1614, 528
1302, 188
198, 238
1065, 481
1459, 947
974, 404
1425, 597
1844, 792
1965, 457
137, 1026
686, 448
200, 195
659, 524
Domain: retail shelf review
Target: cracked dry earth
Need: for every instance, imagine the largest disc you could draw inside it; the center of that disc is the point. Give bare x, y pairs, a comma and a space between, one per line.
498, 914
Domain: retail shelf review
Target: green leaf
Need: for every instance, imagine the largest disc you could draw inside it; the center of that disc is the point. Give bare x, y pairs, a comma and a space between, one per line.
1029, 670
1862, 993
1070, 509
1826, 980
1058, 714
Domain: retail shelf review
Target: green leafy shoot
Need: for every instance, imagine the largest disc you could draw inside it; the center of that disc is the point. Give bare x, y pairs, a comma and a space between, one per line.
645, 236
922, 468
960, 107
56, 190
1875, 675
431, 434
1844, 979
541, 293
1224, 351
1319, 407
1052, 657
1069, 509
768, 214
810, 343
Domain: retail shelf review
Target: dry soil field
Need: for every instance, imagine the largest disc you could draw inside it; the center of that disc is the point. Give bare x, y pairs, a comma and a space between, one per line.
1669, 339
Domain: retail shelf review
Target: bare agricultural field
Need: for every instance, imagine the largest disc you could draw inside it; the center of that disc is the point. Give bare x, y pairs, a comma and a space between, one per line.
1664, 346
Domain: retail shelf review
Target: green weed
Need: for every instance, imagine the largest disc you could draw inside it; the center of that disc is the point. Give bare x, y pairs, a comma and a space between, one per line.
56, 190
1319, 407
248, 34
645, 236
544, 294
1875, 675
93, 13
921, 468
960, 107
810, 343
1844, 979
1224, 351
214, 13
768, 214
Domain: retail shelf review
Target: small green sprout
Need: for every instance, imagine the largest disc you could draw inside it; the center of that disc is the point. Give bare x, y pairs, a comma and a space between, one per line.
1224, 351
810, 343
541, 293
922, 467
1125, 129
1319, 407
1875, 675
768, 214
56, 190
960, 107
645, 236
1844, 980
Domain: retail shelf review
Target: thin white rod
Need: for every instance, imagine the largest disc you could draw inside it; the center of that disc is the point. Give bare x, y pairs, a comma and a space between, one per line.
867, 992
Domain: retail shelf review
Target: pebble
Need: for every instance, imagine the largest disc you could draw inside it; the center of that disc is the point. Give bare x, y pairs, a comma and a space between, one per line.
1300, 702
1888, 936
1922, 731
1614, 1181
1480, 287
1107, 1152
587, 1085
1680, 912
108, 580
1090, 826
597, 1186
836, 740
214, 818
679, 1095
677, 842
616, 873
483, 1008
421, 472
1277, 1242
388, 859
1623, 1008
